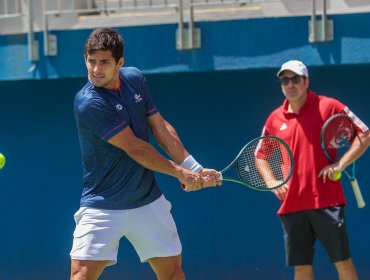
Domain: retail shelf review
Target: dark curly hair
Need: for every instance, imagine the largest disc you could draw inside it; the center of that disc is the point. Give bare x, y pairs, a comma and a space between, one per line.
105, 39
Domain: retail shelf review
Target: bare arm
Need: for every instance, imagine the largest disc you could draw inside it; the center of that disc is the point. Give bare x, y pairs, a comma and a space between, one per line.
267, 175
146, 155
169, 140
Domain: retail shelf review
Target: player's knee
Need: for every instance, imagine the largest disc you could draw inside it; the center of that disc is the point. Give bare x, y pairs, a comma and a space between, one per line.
175, 273
178, 274
303, 272
346, 264
78, 274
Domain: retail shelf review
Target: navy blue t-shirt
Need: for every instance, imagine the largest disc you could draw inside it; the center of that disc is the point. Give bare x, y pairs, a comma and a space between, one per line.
111, 179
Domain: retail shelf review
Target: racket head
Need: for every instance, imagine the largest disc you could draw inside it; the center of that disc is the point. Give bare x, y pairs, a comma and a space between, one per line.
271, 150
337, 135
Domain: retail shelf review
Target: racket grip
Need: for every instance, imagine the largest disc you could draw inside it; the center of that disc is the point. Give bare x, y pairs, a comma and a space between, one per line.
358, 194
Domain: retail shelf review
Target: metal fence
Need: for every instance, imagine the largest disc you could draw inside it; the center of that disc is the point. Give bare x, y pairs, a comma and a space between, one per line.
187, 35
104, 6
10, 8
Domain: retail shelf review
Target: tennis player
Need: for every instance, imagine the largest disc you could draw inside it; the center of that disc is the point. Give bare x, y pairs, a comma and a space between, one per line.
312, 207
120, 195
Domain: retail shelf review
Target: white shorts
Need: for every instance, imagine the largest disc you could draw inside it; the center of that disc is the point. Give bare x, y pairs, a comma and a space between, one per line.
150, 229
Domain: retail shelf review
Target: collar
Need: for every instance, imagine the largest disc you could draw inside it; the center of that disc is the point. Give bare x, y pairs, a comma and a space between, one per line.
119, 86
311, 98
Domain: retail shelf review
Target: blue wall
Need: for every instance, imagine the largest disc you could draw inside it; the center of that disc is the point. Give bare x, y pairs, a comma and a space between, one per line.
226, 45
228, 233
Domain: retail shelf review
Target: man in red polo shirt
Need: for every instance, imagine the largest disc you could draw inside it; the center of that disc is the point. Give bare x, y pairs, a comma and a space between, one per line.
312, 206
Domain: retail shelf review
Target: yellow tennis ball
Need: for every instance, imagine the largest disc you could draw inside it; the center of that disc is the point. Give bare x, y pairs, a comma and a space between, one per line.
2, 160
337, 177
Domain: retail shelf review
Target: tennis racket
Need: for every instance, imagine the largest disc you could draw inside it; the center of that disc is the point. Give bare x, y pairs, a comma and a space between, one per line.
337, 135
263, 164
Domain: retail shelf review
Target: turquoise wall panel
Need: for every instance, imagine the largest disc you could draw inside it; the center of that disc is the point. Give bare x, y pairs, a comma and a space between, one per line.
229, 232
226, 45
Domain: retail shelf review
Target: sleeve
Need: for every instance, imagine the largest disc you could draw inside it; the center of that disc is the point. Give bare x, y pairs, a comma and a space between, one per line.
137, 80
340, 108
261, 149
266, 147
266, 131
98, 116
151, 108
361, 127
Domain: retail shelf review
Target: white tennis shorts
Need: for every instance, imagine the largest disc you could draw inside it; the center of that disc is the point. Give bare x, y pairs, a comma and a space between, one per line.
150, 229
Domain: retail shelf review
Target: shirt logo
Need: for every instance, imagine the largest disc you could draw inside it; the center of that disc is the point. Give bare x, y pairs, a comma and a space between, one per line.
119, 107
283, 126
138, 97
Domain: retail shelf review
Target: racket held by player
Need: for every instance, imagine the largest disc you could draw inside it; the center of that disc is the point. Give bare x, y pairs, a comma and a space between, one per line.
263, 164
337, 135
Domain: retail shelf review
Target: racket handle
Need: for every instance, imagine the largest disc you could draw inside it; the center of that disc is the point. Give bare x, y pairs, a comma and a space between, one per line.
358, 194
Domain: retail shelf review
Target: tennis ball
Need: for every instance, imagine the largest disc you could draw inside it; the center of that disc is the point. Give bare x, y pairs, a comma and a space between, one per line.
2, 160
337, 177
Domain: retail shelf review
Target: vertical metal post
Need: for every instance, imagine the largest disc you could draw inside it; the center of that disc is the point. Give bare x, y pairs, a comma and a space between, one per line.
45, 26
321, 30
324, 20
105, 6
313, 21
32, 43
6, 7
16, 7
180, 29
191, 24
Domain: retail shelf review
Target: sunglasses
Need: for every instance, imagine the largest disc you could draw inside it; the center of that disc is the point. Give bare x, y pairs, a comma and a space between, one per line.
296, 79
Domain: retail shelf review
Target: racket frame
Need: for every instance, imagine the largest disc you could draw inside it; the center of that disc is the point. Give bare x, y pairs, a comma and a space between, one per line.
351, 177
241, 181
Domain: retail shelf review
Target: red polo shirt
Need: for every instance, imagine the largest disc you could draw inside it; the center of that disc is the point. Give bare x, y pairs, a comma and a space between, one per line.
302, 133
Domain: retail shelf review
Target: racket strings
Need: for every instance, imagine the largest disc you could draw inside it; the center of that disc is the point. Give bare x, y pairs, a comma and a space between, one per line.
338, 135
265, 164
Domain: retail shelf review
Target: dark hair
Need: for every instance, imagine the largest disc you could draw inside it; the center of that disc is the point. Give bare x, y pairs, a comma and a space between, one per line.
105, 39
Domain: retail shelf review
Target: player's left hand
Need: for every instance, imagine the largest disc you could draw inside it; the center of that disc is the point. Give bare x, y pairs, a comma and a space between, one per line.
211, 177
330, 171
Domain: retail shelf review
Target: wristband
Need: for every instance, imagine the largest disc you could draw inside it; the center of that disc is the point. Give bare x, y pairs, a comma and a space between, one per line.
191, 164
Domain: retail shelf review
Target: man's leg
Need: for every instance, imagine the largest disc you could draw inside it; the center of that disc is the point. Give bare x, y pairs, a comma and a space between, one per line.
303, 272
346, 270
332, 232
167, 268
87, 270
299, 243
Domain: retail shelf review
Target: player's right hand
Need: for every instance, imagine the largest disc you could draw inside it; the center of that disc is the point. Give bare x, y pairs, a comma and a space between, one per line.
191, 181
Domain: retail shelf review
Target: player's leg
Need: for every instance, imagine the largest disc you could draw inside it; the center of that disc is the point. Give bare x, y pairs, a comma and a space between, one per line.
330, 227
299, 241
153, 233
87, 270
303, 272
95, 241
167, 268
346, 270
